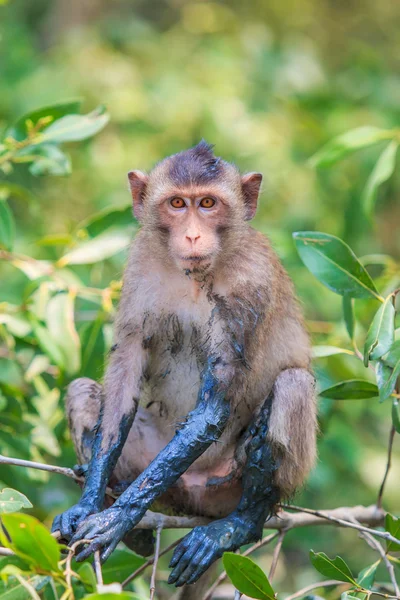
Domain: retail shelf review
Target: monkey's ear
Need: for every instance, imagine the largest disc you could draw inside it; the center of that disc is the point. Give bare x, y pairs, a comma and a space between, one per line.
137, 183
251, 183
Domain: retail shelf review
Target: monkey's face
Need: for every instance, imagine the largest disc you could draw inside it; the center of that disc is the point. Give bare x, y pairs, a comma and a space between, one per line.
195, 205
193, 226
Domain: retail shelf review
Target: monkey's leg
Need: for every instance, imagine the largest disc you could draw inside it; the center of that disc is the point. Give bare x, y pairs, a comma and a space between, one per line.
203, 426
83, 409
291, 398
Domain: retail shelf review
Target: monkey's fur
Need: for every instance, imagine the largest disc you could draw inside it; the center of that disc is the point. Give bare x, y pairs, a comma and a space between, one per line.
208, 404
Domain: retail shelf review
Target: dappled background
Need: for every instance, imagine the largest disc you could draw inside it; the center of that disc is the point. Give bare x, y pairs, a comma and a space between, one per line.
268, 82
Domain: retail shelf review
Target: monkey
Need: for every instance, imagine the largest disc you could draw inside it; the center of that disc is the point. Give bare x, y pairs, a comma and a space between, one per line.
208, 405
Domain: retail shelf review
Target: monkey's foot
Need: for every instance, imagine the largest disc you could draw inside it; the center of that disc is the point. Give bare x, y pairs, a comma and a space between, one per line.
103, 531
205, 544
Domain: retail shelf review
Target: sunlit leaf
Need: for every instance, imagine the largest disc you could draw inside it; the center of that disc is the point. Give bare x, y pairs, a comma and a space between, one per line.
39, 363
334, 264
392, 525
382, 171
335, 568
353, 389
73, 128
323, 351
17, 324
61, 326
348, 142
7, 226
97, 249
48, 345
32, 268
381, 333
247, 577
12, 501
19, 130
348, 315
31, 541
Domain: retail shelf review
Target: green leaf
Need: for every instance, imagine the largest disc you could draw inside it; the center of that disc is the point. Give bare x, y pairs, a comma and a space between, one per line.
106, 219
7, 226
61, 326
323, 351
334, 264
382, 171
392, 359
16, 591
382, 374
333, 568
392, 525
396, 415
49, 160
19, 130
73, 128
88, 577
31, 541
366, 577
380, 335
352, 389
347, 143
247, 577
48, 345
103, 246
348, 314
12, 501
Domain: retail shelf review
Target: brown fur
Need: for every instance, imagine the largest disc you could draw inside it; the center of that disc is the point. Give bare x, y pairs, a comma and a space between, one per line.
201, 282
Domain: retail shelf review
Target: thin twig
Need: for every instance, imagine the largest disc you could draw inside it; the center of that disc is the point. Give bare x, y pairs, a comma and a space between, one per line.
97, 567
275, 555
266, 540
373, 543
388, 465
314, 586
155, 562
344, 523
149, 562
6, 552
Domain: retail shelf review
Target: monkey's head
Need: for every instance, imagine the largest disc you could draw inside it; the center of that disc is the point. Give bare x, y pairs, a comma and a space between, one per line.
195, 205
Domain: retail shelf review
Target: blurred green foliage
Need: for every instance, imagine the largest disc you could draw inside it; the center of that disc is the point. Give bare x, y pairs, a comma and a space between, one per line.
270, 83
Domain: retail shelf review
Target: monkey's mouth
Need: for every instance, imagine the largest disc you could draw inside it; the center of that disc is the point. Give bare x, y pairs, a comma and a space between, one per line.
197, 258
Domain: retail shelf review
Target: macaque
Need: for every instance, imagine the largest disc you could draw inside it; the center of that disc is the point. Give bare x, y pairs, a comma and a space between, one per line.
208, 402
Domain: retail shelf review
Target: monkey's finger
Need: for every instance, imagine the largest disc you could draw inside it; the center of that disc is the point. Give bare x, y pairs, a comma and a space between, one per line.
179, 551
66, 526
108, 551
90, 549
184, 545
56, 524
203, 565
192, 565
186, 558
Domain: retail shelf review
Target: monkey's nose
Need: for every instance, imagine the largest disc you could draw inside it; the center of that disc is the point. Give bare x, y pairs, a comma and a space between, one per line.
192, 238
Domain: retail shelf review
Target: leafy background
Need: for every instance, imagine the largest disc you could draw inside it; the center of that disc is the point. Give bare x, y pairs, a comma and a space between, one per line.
269, 83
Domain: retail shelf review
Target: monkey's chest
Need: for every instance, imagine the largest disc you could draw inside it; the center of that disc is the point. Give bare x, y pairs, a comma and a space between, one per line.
177, 352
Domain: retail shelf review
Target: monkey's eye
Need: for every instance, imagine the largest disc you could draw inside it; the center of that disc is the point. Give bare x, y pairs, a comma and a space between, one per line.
177, 203
207, 203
